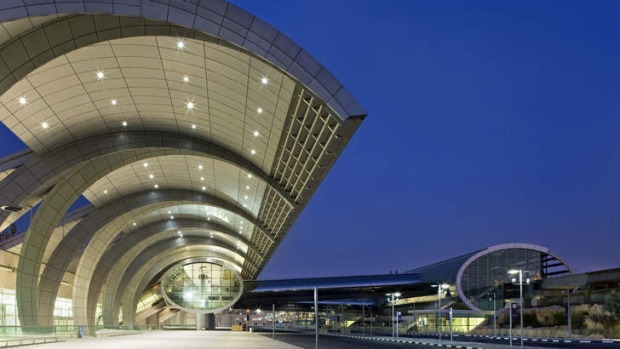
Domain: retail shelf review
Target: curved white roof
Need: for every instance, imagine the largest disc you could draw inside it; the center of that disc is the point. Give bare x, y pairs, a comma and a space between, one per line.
128, 103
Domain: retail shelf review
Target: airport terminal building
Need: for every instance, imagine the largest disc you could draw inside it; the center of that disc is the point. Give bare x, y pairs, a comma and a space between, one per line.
463, 293
169, 148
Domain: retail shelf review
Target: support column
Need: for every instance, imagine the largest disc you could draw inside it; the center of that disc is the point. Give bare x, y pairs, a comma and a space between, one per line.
205, 322
201, 322
210, 321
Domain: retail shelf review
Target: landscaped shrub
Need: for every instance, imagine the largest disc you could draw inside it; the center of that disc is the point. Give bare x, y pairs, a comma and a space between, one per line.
558, 319
530, 319
578, 320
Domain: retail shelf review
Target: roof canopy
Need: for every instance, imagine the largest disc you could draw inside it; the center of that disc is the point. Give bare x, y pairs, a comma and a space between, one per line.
157, 113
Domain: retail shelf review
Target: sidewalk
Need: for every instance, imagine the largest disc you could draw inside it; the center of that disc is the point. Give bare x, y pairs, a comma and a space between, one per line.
174, 339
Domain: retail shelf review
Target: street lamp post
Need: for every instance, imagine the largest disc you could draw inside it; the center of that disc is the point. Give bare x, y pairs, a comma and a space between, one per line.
396, 319
372, 321
451, 329
440, 287
568, 313
494, 314
520, 272
363, 317
510, 324
392, 298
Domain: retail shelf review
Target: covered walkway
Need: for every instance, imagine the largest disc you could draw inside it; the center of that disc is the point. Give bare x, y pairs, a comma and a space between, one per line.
174, 339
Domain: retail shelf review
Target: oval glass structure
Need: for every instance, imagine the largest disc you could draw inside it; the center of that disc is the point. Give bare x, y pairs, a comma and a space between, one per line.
203, 287
484, 279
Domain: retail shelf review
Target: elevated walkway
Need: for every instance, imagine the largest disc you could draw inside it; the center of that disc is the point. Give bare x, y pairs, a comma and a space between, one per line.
150, 311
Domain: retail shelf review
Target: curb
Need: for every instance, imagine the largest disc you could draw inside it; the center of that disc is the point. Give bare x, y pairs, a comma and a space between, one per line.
406, 340
409, 341
551, 340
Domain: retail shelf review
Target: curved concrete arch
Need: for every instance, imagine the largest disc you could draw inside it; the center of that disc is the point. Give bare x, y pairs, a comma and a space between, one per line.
14, 161
118, 280
114, 27
225, 22
86, 288
64, 193
40, 172
470, 260
91, 230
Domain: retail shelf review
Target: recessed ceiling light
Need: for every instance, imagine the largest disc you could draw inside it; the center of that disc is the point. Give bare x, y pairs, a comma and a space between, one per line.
134, 224
105, 191
23, 100
255, 133
113, 102
190, 105
151, 176
180, 235
247, 187
45, 125
245, 197
204, 188
208, 218
169, 212
249, 175
125, 123
200, 167
193, 126
259, 110
264, 80
253, 152
185, 78
244, 205
202, 178
156, 186
100, 75
171, 217
180, 45
146, 164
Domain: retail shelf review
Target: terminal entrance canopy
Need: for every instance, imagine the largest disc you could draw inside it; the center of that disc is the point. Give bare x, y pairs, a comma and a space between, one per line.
192, 129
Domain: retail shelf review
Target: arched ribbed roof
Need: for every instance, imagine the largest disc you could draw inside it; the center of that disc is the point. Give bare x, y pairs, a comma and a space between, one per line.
238, 110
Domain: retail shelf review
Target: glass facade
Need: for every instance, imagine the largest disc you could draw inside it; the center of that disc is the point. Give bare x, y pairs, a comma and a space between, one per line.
202, 287
9, 321
63, 314
487, 278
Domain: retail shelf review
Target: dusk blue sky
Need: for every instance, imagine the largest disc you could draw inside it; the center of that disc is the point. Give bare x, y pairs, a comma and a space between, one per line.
488, 123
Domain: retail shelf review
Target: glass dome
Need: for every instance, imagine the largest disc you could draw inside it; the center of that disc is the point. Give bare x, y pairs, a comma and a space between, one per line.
203, 287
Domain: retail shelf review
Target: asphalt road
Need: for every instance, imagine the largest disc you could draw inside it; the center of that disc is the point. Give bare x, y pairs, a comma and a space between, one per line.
549, 343
306, 341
